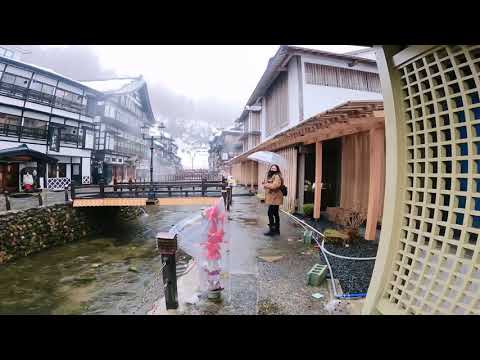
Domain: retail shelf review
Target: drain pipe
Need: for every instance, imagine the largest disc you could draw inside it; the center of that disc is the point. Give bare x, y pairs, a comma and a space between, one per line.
325, 251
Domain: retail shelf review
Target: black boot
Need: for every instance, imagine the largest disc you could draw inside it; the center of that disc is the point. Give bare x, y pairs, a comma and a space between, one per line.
276, 229
270, 232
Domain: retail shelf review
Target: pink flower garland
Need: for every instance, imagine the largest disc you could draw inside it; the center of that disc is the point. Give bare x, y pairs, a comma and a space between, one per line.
215, 233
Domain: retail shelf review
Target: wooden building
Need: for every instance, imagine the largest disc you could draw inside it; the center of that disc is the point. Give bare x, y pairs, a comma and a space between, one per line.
122, 110
311, 105
51, 114
342, 148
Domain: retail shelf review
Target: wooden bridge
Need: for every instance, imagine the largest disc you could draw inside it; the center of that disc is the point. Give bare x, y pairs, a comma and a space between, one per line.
179, 192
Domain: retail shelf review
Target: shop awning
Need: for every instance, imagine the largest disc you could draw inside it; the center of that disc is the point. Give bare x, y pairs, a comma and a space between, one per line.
23, 154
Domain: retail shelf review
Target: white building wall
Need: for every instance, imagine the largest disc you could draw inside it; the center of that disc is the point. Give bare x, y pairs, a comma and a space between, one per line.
86, 167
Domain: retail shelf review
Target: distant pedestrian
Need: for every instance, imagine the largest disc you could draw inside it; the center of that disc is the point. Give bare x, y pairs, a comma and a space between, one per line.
273, 198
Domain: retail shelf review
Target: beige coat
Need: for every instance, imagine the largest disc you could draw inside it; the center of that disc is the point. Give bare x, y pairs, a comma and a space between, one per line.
273, 194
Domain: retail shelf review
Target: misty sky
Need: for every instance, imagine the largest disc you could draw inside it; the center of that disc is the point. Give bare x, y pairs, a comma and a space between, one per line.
202, 85
224, 73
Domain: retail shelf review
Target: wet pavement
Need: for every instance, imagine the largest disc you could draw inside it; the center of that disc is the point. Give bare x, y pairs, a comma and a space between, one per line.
267, 275
28, 201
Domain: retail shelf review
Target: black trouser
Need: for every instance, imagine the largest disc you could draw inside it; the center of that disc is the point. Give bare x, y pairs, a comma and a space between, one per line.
273, 216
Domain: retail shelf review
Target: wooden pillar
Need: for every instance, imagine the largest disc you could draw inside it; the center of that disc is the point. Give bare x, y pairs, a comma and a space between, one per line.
377, 171
252, 176
301, 182
318, 180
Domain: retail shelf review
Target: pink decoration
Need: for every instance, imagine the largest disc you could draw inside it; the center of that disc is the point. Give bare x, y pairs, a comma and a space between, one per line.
215, 233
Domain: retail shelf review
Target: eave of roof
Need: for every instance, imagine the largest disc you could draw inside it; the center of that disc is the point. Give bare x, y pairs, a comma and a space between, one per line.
137, 83
339, 113
9, 154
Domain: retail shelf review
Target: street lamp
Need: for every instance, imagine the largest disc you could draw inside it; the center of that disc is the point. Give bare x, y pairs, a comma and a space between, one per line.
147, 136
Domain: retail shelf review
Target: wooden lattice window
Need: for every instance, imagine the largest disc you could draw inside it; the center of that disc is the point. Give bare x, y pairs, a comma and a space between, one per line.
436, 268
277, 104
325, 75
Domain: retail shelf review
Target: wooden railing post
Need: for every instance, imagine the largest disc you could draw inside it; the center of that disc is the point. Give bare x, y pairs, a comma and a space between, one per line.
7, 202
203, 186
40, 200
167, 245
72, 191
102, 188
229, 197
66, 193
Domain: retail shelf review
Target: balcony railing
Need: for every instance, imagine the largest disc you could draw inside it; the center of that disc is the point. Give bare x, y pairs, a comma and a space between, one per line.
23, 93
34, 133
9, 130
70, 138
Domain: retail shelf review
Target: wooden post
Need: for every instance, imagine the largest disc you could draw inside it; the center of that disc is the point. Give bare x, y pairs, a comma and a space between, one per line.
318, 180
301, 182
7, 202
377, 173
167, 245
102, 189
252, 178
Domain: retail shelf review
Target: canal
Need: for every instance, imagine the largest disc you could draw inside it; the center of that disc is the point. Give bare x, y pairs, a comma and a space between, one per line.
118, 273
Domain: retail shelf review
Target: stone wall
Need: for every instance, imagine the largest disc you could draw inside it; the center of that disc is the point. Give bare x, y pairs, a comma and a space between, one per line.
23, 232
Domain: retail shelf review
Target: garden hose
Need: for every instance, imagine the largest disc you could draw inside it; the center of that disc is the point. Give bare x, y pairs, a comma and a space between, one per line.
324, 252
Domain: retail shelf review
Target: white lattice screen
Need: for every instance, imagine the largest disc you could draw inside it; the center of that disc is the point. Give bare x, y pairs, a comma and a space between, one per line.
436, 267
58, 183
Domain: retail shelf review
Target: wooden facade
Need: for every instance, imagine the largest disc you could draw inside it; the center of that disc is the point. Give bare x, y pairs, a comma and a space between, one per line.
356, 122
277, 104
355, 172
246, 173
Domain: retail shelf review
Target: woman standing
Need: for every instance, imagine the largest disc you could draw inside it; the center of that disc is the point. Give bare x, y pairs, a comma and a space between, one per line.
273, 198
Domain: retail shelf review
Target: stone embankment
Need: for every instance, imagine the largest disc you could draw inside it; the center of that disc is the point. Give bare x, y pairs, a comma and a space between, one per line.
23, 232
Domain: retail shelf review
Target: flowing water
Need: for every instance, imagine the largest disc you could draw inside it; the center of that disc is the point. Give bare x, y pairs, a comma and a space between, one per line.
115, 274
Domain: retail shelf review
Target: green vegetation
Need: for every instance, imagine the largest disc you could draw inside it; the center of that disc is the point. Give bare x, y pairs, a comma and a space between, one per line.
308, 210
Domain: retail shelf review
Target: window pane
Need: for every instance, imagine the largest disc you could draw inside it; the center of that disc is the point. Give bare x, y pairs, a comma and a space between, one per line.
20, 81
47, 89
9, 79
52, 170
62, 170
68, 96
37, 86
33, 128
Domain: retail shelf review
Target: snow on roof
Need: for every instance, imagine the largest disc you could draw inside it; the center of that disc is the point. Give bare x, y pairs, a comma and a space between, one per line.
50, 71
368, 53
110, 85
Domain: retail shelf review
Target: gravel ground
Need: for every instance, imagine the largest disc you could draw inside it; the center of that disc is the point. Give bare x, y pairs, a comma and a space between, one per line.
354, 276
259, 286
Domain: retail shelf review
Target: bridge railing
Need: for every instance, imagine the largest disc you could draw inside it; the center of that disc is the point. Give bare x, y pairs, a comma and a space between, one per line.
185, 188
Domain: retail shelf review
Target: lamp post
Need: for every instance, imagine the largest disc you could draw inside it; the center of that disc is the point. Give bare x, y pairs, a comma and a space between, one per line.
146, 136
